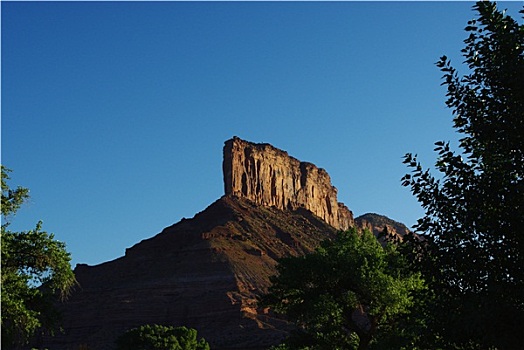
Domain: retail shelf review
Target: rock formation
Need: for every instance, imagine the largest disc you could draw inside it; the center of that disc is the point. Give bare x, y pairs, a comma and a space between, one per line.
376, 224
207, 272
268, 176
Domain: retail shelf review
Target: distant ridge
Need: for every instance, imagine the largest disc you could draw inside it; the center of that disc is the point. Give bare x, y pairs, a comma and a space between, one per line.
376, 224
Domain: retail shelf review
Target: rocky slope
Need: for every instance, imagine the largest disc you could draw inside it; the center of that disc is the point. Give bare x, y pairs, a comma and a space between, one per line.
204, 272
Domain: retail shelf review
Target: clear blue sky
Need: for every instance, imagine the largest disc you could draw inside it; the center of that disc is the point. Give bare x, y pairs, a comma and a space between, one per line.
114, 114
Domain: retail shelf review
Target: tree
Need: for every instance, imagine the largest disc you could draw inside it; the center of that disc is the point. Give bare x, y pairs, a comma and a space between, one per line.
35, 269
473, 255
348, 294
157, 337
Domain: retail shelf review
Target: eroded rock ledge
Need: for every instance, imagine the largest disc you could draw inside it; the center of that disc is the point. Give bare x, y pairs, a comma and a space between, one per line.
268, 176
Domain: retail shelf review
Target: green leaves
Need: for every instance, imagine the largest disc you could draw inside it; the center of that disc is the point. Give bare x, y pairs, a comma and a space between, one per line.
11, 199
158, 337
348, 288
35, 269
39, 259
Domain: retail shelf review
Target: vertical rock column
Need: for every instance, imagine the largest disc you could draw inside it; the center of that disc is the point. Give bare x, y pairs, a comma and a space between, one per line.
268, 176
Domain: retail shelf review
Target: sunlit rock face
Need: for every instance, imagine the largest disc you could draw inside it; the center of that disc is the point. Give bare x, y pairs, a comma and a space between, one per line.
268, 176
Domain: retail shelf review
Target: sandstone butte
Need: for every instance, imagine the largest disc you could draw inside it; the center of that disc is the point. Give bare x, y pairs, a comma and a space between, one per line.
207, 272
270, 177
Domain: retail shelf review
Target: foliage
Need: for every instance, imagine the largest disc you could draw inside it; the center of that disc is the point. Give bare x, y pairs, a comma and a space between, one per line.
35, 268
157, 337
11, 199
473, 255
346, 294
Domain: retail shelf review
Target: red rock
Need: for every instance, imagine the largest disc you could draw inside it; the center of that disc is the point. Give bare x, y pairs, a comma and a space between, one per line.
268, 176
204, 273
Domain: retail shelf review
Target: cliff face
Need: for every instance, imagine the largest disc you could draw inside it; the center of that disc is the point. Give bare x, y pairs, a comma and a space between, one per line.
268, 176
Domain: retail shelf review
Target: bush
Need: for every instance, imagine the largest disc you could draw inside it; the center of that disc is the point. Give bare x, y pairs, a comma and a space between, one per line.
157, 337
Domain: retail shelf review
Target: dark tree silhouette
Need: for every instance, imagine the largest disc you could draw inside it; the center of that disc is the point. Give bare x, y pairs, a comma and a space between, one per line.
474, 207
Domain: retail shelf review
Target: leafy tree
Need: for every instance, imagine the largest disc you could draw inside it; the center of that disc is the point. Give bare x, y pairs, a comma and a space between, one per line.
348, 294
35, 269
157, 337
473, 255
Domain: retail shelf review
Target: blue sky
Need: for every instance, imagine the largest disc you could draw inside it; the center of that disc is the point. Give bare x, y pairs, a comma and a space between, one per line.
114, 114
